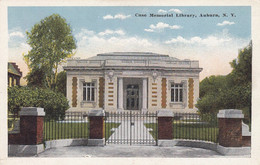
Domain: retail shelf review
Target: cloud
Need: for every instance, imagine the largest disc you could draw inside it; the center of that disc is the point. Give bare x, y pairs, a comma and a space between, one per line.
109, 32
178, 11
225, 23
117, 16
16, 34
208, 41
160, 26
162, 11
149, 30
107, 41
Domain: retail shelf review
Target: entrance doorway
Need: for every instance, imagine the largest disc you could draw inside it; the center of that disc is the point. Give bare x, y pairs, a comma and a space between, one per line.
132, 97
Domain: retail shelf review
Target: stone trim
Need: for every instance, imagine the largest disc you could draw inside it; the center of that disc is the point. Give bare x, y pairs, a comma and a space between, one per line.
65, 142
230, 113
206, 145
191, 92
96, 142
32, 111
164, 93
24, 150
96, 113
74, 92
165, 113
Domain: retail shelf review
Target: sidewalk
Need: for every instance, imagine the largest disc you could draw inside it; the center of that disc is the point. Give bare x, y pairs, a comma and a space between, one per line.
132, 151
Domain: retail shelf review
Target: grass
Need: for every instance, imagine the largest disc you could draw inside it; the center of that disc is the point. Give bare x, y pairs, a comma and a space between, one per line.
108, 131
203, 132
57, 130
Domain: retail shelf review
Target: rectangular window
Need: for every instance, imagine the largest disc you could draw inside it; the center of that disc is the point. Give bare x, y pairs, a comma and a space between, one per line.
89, 91
176, 93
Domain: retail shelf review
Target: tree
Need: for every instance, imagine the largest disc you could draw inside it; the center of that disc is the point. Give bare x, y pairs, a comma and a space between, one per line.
52, 43
36, 78
230, 91
61, 82
242, 66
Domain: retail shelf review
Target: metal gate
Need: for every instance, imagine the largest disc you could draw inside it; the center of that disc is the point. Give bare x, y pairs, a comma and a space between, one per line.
131, 128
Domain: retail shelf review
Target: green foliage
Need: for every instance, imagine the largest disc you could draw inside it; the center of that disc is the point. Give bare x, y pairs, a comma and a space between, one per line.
36, 78
242, 66
212, 84
52, 43
61, 82
229, 92
54, 103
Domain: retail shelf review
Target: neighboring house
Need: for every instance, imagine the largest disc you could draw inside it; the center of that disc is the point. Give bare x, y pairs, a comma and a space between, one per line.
14, 74
132, 81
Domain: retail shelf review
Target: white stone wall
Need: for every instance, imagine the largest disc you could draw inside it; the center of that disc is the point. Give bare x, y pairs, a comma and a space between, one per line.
81, 78
113, 105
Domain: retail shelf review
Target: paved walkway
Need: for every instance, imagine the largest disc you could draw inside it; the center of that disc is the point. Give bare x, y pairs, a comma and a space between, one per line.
131, 151
134, 131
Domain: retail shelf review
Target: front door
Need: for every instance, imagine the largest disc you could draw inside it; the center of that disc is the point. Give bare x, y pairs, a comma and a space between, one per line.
132, 97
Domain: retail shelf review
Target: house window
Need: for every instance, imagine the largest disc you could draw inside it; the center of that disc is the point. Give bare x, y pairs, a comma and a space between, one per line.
176, 93
88, 91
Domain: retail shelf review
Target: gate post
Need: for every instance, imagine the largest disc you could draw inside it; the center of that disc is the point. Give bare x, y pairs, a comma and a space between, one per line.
230, 127
96, 128
165, 127
230, 133
28, 140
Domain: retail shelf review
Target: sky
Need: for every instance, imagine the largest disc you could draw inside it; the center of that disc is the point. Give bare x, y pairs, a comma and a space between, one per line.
184, 34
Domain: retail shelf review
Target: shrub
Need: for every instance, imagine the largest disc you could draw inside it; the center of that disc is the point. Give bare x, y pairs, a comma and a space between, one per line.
55, 104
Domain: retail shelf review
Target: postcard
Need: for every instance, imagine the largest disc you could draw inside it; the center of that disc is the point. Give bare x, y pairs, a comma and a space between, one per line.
147, 82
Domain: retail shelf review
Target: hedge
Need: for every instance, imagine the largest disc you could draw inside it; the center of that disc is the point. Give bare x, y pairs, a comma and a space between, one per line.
55, 104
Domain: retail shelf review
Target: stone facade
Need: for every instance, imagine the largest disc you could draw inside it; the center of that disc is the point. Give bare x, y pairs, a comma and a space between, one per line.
132, 81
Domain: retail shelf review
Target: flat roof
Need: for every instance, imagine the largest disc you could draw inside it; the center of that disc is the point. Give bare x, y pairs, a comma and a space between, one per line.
132, 56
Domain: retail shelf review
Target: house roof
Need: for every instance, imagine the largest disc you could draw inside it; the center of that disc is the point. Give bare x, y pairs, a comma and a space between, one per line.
133, 56
14, 69
131, 61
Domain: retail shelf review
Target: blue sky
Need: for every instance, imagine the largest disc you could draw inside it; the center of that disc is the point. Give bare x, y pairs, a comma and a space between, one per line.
214, 40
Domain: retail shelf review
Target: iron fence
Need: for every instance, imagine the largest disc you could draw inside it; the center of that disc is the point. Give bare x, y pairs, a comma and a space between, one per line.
132, 128
13, 118
71, 125
195, 126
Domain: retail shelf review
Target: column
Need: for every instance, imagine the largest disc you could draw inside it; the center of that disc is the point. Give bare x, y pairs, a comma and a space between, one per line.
144, 107
120, 94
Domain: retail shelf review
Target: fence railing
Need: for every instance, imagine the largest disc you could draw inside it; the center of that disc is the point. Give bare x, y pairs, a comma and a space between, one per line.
12, 119
193, 126
71, 125
133, 128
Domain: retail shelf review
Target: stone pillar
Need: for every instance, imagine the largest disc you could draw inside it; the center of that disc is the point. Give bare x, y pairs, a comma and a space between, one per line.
96, 128
230, 127
144, 99
28, 140
120, 94
165, 132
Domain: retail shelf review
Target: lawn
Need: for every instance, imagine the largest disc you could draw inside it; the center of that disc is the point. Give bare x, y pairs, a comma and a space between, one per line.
54, 130
205, 132
108, 131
